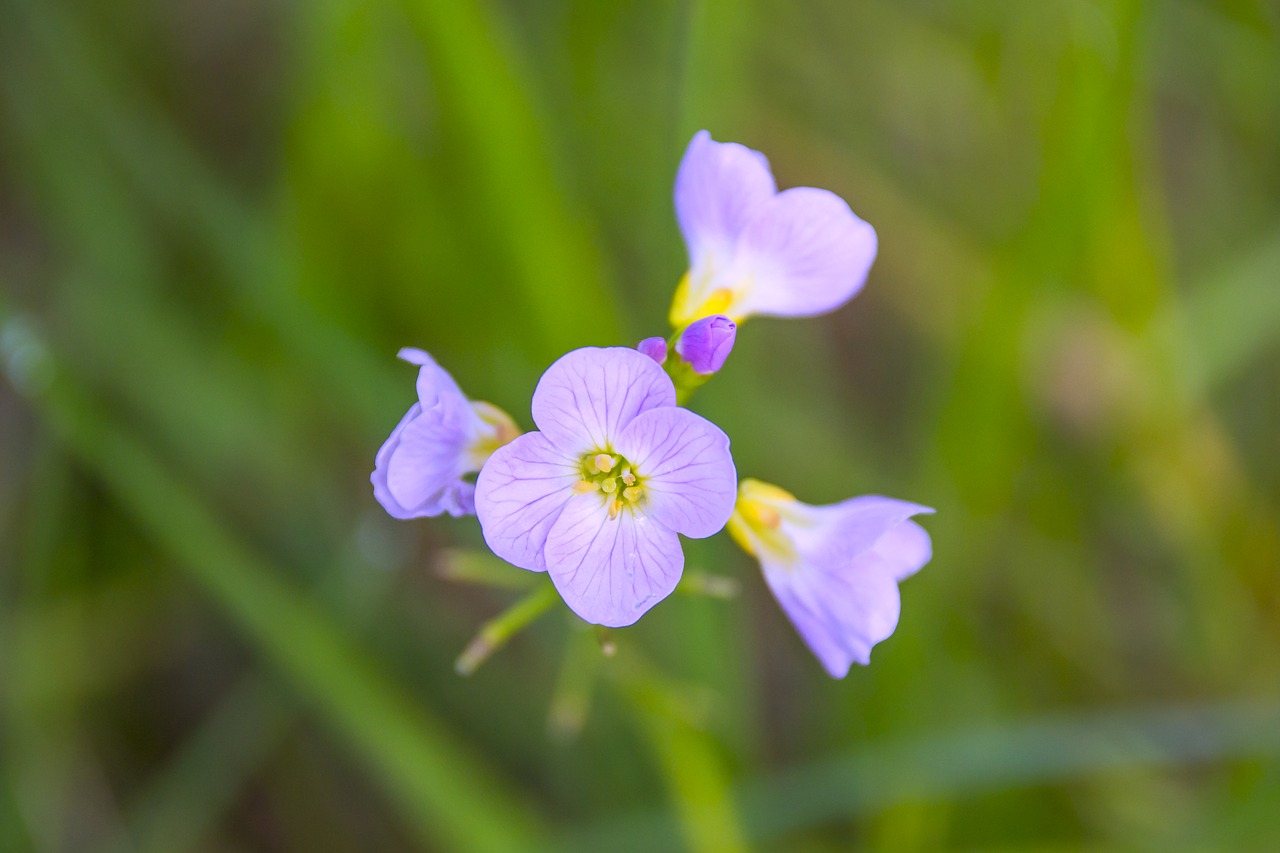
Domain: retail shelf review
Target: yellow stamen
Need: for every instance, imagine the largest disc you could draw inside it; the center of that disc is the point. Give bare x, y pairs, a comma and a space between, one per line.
603, 462
631, 493
679, 309
684, 310
628, 478
741, 533
615, 507
609, 486
583, 487
757, 519
717, 303
761, 515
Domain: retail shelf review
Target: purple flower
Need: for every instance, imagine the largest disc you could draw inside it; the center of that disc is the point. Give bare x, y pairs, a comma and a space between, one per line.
834, 569
707, 343
754, 250
419, 470
597, 497
655, 348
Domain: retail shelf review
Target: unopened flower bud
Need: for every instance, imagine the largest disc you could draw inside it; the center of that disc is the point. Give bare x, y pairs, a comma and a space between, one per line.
655, 348
707, 343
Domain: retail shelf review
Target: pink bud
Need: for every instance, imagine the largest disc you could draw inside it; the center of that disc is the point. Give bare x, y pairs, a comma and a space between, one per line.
655, 348
707, 343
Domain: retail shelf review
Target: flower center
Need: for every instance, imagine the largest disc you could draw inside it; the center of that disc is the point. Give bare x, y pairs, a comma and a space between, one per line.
614, 478
756, 523
501, 429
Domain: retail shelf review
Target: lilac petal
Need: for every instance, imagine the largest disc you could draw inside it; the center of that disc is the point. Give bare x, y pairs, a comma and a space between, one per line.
459, 498
689, 480
839, 581
418, 469
854, 526
427, 459
905, 549
438, 390
804, 253
610, 571
382, 462
519, 494
842, 614
719, 188
585, 399
413, 355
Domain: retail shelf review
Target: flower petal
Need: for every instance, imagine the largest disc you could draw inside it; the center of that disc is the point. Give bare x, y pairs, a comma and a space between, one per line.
804, 253
610, 571
837, 578
829, 535
382, 462
436, 388
905, 549
418, 469
839, 614
519, 495
719, 188
689, 480
585, 399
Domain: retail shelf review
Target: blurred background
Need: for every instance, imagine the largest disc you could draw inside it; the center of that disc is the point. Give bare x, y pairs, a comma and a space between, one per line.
219, 221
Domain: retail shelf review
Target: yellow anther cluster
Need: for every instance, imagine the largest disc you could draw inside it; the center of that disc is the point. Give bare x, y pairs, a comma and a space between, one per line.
613, 477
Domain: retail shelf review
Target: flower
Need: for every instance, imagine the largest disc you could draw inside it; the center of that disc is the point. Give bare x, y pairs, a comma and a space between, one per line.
833, 569
655, 348
597, 496
754, 250
706, 343
419, 470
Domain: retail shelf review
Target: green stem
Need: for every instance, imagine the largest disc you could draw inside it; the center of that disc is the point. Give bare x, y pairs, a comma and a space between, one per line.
495, 633
571, 701
712, 586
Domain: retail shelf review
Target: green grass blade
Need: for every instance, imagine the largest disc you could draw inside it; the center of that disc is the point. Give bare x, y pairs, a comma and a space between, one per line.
444, 792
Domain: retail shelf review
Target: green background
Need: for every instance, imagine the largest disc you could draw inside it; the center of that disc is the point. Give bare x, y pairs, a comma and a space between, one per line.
219, 221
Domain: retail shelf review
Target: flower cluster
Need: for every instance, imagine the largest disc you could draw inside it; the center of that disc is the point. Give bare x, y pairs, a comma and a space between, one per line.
617, 470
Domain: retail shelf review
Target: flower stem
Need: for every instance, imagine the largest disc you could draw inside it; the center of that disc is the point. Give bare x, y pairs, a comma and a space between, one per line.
469, 565
571, 701
495, 633
712, 586
682, 373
